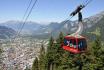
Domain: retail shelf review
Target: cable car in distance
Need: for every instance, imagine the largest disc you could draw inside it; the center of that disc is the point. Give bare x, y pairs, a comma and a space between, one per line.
74, 44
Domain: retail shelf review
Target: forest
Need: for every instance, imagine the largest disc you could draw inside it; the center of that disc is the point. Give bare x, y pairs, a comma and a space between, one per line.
55, 58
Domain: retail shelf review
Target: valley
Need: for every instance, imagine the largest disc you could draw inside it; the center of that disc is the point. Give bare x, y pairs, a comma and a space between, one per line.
21, 53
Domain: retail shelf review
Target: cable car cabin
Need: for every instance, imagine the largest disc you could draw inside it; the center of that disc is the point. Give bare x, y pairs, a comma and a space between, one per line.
74, 44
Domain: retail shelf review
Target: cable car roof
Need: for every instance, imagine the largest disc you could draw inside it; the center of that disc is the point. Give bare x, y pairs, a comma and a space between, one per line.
74, 36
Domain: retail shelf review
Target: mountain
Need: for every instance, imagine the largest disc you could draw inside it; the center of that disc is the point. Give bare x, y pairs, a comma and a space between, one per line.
6, 33
91, 24
97, 28
68, 27
29, 27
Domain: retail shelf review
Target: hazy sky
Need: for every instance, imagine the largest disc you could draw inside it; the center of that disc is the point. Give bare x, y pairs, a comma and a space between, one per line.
46, 10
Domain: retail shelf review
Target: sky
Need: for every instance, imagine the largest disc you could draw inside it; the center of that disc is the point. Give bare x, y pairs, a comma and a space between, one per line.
47, 10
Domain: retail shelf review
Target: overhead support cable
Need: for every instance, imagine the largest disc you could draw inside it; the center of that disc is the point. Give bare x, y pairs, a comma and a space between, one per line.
85, 4
25, 19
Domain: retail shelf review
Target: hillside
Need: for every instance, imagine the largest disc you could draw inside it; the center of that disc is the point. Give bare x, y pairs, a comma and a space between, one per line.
95, 30
91, 24
6, 33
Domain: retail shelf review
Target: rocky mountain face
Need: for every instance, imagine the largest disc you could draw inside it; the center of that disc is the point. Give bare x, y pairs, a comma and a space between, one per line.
96, 28
91, 24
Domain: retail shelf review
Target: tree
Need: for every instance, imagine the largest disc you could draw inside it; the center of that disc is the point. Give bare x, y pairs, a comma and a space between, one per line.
97, 54
50, 54
94, 58
58, 51
42, 58
1, 58
27, 68
35, 65
60, 38
54, 52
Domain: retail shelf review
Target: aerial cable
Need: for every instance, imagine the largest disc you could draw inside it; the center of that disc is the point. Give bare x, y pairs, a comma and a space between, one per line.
30, 2
84, 5
87, 2
25, 19
27, 9
27, 16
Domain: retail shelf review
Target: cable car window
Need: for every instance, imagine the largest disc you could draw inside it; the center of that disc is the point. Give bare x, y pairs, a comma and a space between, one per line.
65, 42
82, 44
70, 42
74, 43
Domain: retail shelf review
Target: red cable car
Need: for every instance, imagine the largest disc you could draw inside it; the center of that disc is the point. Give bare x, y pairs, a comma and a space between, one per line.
74, 44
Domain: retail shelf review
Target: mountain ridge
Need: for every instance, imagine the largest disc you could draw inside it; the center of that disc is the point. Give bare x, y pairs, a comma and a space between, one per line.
54, 28
6, 32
